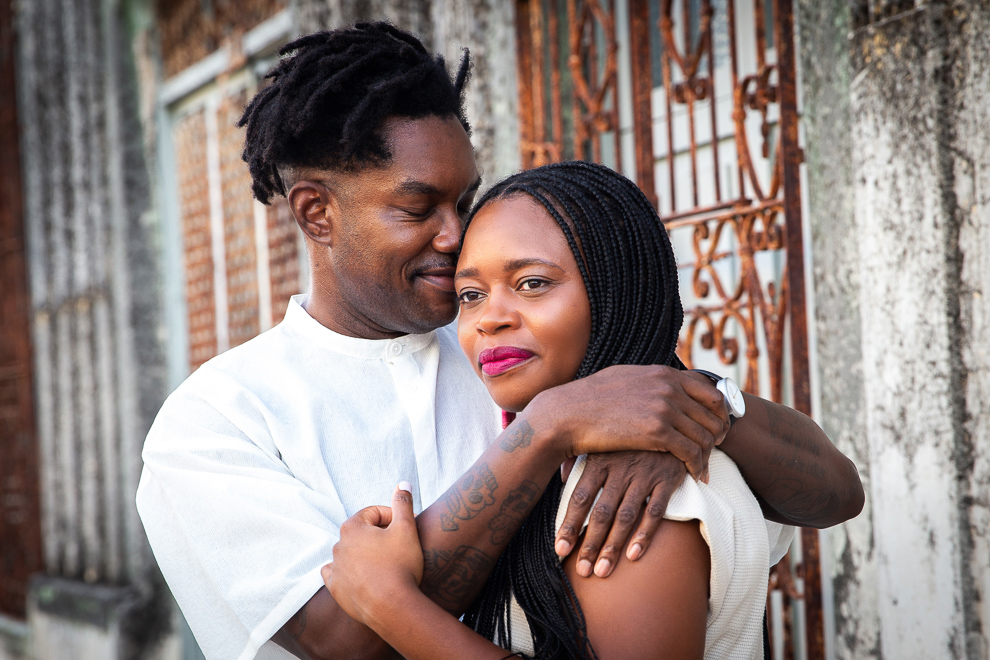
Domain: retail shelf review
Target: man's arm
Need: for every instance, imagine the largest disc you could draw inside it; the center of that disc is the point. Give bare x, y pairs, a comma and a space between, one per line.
796, 473
794, 470
465, 531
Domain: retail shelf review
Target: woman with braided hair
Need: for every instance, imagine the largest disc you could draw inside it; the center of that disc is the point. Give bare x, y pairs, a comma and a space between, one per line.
566, 270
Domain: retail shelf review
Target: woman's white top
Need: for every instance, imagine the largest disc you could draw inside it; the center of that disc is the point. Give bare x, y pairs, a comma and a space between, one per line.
743, 547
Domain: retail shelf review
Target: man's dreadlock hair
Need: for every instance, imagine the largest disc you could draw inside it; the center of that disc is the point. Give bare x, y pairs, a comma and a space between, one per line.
628, 266
329, 97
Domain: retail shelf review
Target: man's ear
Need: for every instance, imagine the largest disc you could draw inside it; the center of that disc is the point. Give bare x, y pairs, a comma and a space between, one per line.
315, 208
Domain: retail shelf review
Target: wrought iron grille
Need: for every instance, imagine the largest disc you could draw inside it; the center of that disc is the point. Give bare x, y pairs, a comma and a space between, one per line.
696, 101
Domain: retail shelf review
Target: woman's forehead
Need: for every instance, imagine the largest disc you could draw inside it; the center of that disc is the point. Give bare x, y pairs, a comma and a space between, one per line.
510, 228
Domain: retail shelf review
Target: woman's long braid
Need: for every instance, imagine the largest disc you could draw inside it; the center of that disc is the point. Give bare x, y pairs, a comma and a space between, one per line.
628, 266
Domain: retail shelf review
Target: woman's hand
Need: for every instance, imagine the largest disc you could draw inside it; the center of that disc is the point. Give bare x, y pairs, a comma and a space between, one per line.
377, 558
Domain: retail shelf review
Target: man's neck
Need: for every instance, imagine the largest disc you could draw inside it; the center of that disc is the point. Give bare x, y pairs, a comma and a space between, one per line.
328, 314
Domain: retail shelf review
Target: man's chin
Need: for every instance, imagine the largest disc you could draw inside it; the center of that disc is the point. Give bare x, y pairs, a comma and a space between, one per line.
428, 320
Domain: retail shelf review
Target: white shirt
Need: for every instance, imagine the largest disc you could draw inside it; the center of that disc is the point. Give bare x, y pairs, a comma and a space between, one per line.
258, 457
743, 547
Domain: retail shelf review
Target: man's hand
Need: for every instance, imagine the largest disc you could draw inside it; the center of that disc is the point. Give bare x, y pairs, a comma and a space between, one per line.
677, 411
646, 408
625, 478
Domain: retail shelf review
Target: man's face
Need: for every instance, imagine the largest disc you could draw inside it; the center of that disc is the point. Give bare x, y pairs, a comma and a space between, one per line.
397, 230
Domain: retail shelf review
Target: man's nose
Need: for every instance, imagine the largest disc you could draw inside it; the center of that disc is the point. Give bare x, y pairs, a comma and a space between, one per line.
448, 240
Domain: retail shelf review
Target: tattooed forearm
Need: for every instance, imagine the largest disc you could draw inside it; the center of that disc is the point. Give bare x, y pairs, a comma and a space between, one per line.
794, 464
450, 578
784, 429
803, 506
468, 497
515, 508
520, 435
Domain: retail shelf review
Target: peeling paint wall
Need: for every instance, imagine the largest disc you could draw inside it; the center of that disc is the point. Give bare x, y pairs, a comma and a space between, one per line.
898, 130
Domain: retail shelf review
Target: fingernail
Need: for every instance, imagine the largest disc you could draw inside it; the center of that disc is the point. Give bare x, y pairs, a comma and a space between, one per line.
584, 568
562, 547
405, 485
704, 476
634, 552
602, 567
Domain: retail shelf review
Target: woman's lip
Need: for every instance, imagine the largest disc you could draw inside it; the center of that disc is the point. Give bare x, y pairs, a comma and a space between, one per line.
495, 361
497, 367
503, 353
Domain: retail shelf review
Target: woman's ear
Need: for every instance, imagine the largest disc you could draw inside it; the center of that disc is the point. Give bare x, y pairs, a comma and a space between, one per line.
315, 208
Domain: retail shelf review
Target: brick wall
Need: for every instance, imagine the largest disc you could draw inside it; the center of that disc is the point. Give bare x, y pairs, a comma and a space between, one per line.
240, 255
192, 29
241, 261
189, 135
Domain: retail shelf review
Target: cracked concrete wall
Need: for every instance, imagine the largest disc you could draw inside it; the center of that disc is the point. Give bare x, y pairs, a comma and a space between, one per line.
899, 190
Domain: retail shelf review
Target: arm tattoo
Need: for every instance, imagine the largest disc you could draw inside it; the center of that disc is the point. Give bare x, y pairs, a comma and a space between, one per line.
450, 577
785, 431
518, 437
803, 505
515, 508
468, 497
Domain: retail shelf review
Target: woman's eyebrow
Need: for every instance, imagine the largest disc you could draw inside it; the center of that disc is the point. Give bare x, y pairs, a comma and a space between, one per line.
511, 265
516, 264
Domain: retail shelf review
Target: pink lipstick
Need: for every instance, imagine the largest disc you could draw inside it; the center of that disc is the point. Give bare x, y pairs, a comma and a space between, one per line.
495, 361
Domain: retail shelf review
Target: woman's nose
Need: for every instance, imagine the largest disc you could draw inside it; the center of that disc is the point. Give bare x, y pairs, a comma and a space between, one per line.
499, 314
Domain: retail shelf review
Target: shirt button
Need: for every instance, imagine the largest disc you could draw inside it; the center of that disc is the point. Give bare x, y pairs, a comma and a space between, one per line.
395, 348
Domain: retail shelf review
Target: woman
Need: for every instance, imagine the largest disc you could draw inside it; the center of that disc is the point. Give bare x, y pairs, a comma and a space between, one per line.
566, 270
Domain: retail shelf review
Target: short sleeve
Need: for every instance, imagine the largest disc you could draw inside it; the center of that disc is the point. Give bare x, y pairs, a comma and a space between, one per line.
780, 538
212, 495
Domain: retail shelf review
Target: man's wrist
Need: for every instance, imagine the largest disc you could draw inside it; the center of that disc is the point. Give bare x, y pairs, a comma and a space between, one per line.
551, 431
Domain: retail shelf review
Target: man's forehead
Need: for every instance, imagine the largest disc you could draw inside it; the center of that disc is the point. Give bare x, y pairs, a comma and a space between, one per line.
428, 142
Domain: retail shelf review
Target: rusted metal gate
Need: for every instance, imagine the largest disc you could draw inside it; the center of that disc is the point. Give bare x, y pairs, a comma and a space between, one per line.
696, 101
20, 525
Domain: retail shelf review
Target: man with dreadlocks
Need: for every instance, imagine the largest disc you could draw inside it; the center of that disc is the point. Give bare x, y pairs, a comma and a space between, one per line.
257, 459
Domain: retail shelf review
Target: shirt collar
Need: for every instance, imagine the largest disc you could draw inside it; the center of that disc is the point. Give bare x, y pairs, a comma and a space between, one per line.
299, 321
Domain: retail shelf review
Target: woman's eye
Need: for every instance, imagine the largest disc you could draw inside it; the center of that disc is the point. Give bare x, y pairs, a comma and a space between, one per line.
468, 297
531, 284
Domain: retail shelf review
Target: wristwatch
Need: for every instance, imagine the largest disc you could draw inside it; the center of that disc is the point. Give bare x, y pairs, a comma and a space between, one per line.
730, 391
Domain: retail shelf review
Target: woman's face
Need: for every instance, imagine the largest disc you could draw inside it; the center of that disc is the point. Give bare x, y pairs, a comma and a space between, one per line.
525, 321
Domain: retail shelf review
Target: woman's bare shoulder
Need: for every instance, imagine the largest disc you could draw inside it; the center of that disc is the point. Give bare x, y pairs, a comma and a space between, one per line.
654, 607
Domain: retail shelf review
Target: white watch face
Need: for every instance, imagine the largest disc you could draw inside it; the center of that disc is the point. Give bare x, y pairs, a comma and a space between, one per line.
733, 396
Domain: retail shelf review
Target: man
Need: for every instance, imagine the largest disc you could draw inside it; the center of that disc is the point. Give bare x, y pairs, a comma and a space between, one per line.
256, 460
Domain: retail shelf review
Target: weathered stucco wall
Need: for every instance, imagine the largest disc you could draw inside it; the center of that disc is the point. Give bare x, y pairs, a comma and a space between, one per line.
971, 189
899, 180
825, 78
